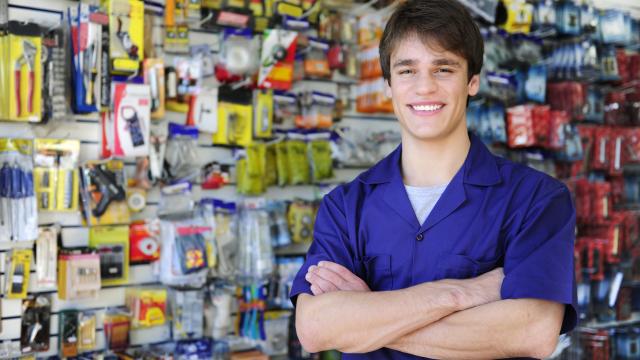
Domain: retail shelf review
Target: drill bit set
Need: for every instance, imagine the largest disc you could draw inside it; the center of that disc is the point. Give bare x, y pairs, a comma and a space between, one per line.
56, 174
21, 73
18, 208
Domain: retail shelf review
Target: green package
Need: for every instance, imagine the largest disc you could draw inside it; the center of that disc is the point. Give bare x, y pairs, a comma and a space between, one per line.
298, 162
271, 166
282, 163
251, 171
321, 162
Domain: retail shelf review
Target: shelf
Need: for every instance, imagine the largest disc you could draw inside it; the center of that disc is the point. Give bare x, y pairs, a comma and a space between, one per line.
635, 317
293, 250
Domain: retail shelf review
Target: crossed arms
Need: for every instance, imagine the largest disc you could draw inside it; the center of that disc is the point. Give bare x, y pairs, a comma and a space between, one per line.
440, 319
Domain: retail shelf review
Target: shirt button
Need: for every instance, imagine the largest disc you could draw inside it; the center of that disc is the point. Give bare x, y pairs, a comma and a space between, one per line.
419, 237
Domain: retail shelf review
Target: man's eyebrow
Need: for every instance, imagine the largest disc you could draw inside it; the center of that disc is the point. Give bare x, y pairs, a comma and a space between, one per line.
445, 61
404, 62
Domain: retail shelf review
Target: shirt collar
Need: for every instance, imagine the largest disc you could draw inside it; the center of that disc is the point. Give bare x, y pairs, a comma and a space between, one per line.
480, 167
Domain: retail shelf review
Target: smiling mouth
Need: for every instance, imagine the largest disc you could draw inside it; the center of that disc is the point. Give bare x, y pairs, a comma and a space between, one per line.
426, 108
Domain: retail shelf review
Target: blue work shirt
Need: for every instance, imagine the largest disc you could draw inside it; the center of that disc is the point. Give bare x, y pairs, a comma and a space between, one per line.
494, 213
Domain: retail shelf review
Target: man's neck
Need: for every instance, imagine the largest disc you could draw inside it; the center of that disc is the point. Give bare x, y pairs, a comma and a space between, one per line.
430, 163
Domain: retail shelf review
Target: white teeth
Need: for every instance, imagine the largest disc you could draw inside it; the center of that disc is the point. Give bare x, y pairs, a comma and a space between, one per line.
426, 107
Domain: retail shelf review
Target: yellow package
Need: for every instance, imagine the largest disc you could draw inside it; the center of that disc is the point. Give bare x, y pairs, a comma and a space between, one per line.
263, 117
24, 77
147, 306
56, 176
17, 278
86, 331
234, 124
112, 244
126, 27
301, 218
519, 16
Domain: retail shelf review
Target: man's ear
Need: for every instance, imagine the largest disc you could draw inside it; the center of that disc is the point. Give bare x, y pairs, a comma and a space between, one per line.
474, 85
387, 88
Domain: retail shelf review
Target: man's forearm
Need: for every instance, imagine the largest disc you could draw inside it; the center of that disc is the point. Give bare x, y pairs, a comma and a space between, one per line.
358, 322
502, 329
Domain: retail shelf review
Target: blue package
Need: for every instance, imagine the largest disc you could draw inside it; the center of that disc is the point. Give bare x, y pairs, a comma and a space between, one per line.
613, 27
595, 105
536, 83
484, 131
496, 115
568, 18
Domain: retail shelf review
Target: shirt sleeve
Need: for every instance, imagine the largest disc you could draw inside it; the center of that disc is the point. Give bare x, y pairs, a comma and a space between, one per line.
330, 242
539, 257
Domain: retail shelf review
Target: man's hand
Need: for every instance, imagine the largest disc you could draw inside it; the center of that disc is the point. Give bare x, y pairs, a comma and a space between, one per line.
329, 276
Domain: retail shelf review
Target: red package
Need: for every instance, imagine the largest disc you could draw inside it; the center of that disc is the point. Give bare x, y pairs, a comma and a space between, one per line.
583, 201
558, 119
634, 67
601, 205
633, 105
576, 97
520, 132
610, 235
616, 145
587, 136
617, 189
601, 156
615, 112
591, 257
541, 124
623, 65
144, 241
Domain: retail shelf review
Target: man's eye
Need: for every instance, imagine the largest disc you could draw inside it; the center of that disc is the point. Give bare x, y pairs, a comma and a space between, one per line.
444, 70
404, 72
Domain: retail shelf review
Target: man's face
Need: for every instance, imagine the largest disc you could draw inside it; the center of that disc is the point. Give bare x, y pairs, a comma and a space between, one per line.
429, 89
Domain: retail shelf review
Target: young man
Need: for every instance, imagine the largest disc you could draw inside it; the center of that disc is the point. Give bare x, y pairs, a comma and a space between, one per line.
441, 250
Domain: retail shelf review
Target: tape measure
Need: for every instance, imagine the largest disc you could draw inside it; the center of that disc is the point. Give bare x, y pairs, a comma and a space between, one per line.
136, 200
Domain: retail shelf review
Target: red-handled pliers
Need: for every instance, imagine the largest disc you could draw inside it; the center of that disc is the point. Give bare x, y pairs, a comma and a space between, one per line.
26, 59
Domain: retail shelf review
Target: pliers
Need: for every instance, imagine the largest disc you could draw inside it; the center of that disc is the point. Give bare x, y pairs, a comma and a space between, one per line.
26, 59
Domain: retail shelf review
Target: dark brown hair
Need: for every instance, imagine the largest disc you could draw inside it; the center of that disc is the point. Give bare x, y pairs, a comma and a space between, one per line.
443, 23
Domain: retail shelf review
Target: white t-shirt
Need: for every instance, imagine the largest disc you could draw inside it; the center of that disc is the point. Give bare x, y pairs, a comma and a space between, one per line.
423, 199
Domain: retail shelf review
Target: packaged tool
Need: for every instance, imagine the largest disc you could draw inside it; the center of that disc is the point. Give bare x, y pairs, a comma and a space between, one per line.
36, 324
181, 161
86, 331
316, 62
235, 117
126, 26
18, 273
263, 116
183, 80
56, 173
68, 333
18, 207
176, 201
87, 23
154, 78
271, 165
148, 306
144, 241
519, 16
112, 244
301, 216
276, 327
116, 329
276, 60
252, 306
215, 175
298, 161
255, 259
55, 84
317, 110
203, 111
21, 73
187, 308
251, 170
183, 260
278, 222
78, 274
239, 55
320, 156
128, 127
46, 257
285, 108
206, 211
226, 238
103, 193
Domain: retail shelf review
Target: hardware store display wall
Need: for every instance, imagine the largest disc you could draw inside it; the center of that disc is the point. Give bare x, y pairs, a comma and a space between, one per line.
86, 128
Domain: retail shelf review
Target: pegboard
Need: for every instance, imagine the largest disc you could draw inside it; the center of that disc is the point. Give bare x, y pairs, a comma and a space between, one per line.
86, 128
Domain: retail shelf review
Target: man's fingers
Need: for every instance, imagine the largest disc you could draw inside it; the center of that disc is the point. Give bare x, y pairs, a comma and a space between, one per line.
355, 283
324, 285
332, 277
316, 290
339, 269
